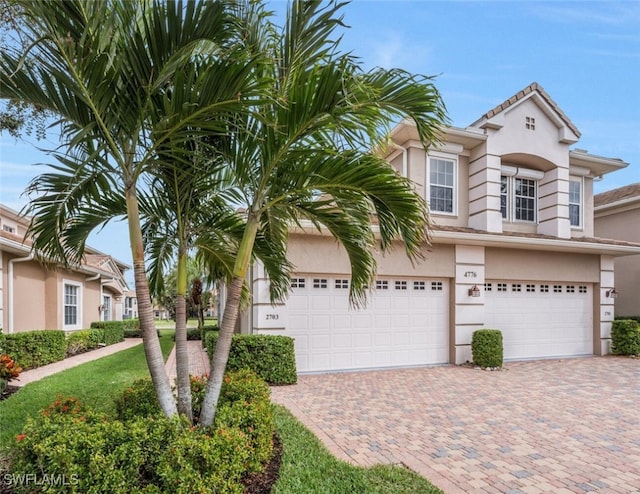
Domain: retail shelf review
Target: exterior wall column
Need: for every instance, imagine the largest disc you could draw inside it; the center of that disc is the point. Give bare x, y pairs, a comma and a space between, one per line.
553, 203
484, 194
468, 311
603, 308
266, 318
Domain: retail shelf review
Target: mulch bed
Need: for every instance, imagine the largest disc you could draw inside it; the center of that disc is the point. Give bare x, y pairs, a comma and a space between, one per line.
8, 391
262, 482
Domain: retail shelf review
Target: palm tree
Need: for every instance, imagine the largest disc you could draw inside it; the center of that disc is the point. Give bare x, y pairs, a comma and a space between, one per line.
304, 159
107, 69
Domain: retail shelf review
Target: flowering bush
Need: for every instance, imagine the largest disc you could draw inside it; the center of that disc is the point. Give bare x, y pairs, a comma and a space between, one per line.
8, 370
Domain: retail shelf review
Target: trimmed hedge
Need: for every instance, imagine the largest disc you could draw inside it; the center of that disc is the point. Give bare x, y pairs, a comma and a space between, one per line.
487, 348
205, 330
192, 334
124, 324
271, 357
634, 318
90, 339
625, 337
35, 348
136, 333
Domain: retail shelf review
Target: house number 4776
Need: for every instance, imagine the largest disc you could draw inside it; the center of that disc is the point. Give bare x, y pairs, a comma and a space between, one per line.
470, 274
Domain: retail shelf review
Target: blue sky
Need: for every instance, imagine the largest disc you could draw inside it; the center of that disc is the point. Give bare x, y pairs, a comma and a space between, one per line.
586, 55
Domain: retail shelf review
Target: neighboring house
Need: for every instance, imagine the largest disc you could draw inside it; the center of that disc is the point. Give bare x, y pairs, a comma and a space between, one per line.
617, 215
35, 296
513, 248
130, 305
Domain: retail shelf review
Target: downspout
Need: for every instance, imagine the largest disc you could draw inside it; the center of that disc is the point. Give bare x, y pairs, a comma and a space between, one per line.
10, 287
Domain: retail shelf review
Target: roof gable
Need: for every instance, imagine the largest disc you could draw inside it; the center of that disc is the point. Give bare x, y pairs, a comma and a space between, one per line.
494, 118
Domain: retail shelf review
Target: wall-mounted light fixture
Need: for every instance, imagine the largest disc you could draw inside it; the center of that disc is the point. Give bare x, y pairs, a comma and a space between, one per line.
474, 291
613, 293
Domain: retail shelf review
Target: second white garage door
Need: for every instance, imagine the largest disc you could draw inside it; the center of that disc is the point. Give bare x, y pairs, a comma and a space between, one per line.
540, 320
405, 323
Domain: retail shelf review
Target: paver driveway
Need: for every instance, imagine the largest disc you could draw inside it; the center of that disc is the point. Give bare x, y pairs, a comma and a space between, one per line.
546, 426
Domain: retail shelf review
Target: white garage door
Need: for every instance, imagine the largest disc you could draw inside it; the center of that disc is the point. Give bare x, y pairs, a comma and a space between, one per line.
541, 320
405, 323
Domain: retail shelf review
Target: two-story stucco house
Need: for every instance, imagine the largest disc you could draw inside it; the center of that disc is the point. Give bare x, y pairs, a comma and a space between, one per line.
34, 297
617, 215
513, 248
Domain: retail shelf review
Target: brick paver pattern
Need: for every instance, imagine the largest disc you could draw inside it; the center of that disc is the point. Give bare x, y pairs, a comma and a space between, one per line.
561, 426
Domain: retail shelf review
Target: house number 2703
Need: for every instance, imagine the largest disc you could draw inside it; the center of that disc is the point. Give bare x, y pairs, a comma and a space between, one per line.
272, 317
470, 274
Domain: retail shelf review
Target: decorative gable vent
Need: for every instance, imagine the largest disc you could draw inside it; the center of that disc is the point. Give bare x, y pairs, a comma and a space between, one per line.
530, 123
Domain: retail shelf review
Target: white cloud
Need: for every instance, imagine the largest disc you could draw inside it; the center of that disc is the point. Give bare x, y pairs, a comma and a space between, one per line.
608, 13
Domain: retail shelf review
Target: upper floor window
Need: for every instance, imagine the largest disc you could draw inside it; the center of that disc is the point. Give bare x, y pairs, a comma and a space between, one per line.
518, 198
575, 202
72, 305
442, 174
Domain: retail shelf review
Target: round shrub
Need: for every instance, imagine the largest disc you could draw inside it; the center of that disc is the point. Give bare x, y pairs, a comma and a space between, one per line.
625, 337
138, 400
486, 348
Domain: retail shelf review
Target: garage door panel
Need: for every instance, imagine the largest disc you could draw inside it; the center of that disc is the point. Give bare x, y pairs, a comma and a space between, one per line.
542, 320
405, 323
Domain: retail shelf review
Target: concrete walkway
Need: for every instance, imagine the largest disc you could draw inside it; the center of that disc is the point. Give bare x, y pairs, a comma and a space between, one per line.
556, 426
38, 373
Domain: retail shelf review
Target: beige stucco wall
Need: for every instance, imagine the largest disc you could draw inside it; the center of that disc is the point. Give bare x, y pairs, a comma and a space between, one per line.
501, 264
624, 225
28, 297
38, 296
322, 254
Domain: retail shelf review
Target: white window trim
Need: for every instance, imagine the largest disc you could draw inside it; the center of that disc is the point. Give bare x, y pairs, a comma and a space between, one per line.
580, 224
523, 173
448, 157
78, 324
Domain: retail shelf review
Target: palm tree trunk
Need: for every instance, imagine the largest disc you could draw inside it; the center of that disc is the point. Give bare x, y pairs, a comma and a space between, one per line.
150, 341
220, 356
182, 352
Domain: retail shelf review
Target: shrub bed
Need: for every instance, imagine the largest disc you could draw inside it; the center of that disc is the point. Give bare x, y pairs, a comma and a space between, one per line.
625, 337
244, 404
94, 454
271, 357
31, 349
80, 342
486, 348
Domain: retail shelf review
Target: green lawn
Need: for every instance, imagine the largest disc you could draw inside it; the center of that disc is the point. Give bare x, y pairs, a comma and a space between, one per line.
94, 383
307, 466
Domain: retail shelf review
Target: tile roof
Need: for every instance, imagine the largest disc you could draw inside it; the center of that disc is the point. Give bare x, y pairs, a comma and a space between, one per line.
615, 195
590, 240
534, 86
